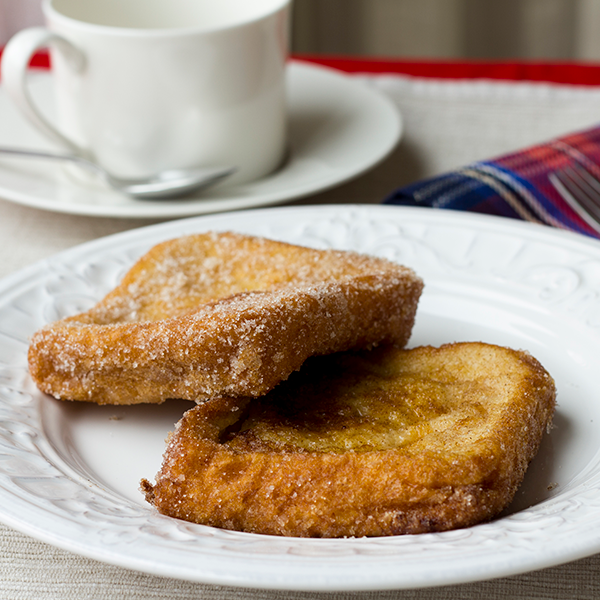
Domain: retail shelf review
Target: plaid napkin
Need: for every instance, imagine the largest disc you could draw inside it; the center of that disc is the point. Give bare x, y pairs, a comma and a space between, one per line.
515, 185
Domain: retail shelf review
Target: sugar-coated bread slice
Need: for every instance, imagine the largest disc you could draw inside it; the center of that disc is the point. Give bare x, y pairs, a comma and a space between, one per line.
373, 443
222, 313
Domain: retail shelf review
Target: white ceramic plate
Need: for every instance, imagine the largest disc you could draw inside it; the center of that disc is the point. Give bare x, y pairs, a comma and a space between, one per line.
69, 472
339, 128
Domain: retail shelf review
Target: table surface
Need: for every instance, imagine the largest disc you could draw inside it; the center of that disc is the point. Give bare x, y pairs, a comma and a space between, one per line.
453, 114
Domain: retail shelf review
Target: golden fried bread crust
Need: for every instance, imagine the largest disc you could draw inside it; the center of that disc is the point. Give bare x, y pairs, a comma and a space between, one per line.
222, 313
375, 443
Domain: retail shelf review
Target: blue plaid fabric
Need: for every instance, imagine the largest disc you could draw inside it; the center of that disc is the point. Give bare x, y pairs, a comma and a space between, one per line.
515, 185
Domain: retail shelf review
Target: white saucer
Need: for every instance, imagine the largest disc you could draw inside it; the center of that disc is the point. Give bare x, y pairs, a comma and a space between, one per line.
339, 128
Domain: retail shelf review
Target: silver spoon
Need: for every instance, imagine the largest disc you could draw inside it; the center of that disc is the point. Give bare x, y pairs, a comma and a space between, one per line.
168, 184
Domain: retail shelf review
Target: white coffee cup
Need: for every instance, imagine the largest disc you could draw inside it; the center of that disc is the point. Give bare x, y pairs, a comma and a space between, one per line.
148, 85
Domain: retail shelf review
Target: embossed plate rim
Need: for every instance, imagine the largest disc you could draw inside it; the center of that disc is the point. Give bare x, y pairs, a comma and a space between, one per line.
50, 500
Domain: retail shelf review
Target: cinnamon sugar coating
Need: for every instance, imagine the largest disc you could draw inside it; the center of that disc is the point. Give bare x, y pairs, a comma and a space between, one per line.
222, 313
374, 443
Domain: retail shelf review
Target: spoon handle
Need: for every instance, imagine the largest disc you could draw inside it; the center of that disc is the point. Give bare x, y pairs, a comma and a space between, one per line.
47, 154
168, 184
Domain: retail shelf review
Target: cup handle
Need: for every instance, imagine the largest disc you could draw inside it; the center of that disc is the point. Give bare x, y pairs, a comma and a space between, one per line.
15, 62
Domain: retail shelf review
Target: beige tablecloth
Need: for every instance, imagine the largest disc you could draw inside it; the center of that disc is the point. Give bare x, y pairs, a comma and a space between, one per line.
447, 124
